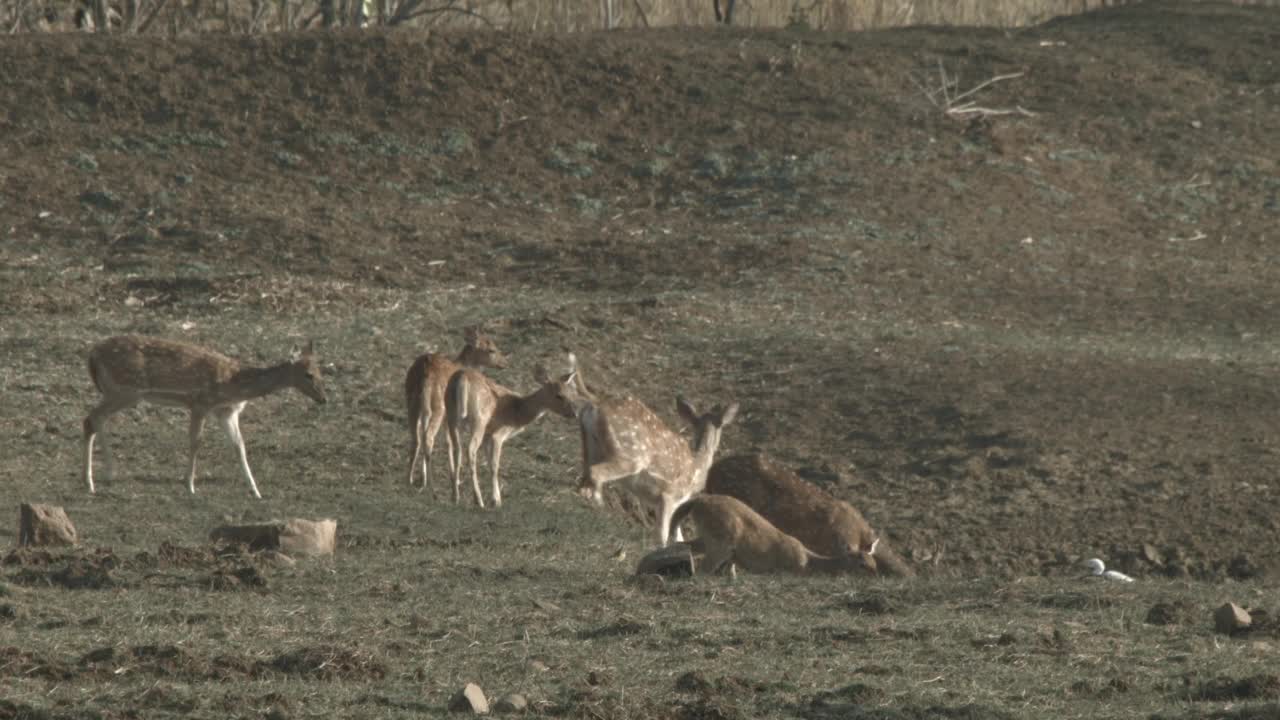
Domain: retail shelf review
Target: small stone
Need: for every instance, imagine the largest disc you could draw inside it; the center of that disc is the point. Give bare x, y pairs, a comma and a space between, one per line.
1151, 554
278, 559
1231, 618
470, 699
45, 525
511, 703
674, 560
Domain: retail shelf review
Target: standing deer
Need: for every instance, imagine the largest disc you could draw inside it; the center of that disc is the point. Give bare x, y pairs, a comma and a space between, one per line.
483, 410
622, 439
131, 368
424, 386
727, 17
731, 533
799, 508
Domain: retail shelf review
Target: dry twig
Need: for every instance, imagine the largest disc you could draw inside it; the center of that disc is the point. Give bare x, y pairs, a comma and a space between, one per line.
947, 96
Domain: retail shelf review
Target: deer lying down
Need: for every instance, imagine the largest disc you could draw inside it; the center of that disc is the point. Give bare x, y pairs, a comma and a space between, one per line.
731, 533
803, 510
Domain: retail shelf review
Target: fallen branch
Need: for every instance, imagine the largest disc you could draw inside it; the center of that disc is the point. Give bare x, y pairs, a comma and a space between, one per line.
947, 97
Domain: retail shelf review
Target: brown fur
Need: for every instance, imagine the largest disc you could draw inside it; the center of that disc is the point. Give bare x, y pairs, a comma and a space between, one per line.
128, 369
731, 533
424, 387
823, 523
727, 16
484, 410
623, 440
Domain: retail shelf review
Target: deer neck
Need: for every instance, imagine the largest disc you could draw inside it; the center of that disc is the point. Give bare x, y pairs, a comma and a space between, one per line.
254, 382
467, 356
520, 411
703, 453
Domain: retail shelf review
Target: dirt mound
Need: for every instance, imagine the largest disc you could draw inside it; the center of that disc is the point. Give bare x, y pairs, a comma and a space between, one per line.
328, 662
74, 570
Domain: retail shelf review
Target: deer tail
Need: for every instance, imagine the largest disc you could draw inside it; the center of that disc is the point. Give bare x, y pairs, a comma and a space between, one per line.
460, 395
415, 386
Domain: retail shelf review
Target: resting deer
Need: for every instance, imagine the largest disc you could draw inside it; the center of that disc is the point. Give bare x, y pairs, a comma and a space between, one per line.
131, 368
424, 386
799, 508
483, 410
732, 534
622, 439
727, 17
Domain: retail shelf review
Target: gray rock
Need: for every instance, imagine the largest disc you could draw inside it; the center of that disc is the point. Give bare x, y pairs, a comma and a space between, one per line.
511, 703
470, 699
45, 525
1231, 618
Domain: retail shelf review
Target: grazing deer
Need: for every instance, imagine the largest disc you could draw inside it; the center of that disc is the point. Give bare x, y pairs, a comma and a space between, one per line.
732, 534
622, 439
801, 509
424, 386
131, 368
727, 17
483, 410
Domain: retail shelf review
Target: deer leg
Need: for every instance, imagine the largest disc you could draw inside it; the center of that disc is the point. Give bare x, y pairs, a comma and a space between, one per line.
193, 444
454, 436
415, 450
666, 509
728, 12
601, 473
495, 460
433, 423
95, 425
473, 452
231, 421
449, 442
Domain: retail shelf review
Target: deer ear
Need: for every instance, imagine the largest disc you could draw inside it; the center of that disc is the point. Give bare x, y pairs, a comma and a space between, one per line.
686, 411
471, 334
540, 374
874, 544
573, 364
729, 414
310, 350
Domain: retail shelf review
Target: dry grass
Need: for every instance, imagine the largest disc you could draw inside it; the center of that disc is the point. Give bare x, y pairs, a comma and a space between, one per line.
559, 16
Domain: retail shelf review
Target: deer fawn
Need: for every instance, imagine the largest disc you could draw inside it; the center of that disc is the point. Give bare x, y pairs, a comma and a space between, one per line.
131, 368
731, 533
801, 509
424, 395
484, 410
623, 439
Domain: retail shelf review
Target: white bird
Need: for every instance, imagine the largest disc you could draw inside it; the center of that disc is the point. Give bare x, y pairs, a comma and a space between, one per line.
1097, 569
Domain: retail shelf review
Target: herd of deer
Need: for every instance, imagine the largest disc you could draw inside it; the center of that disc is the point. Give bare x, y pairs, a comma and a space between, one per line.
748, 512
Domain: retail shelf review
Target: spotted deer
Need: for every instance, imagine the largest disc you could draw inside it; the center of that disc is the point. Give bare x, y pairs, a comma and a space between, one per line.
130, 368
727, 17
482, 410
824, 524
731, 534
424, 387
624, 441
